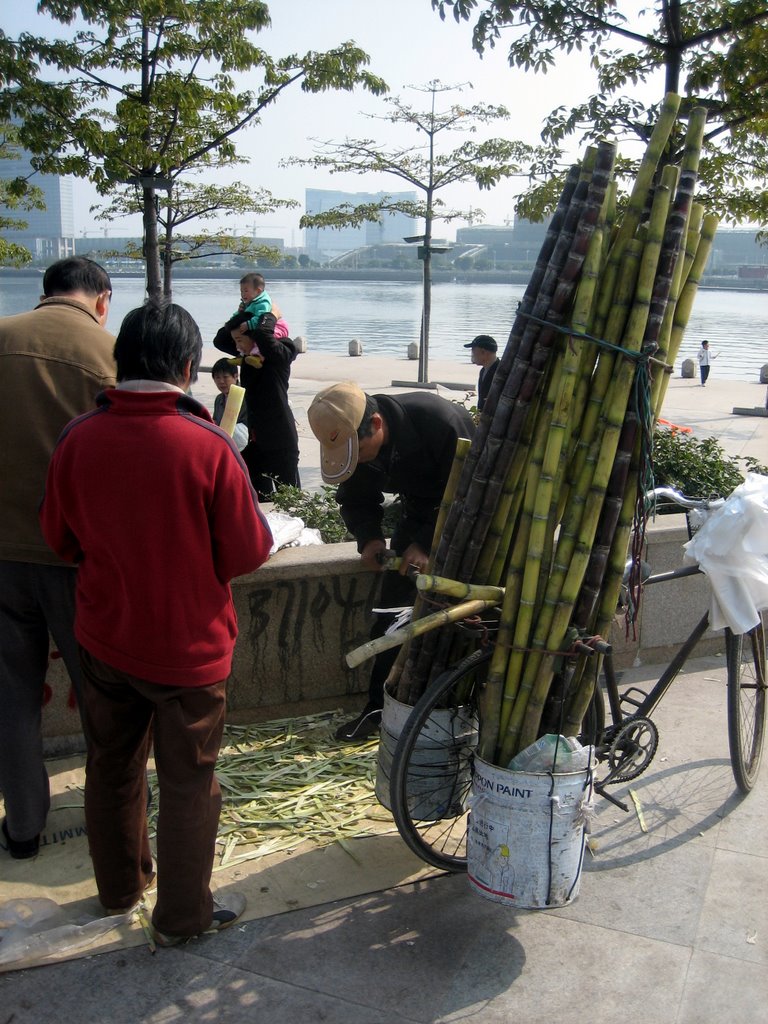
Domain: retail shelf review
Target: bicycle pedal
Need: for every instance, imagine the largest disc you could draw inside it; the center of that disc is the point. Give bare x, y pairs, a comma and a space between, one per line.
633, 696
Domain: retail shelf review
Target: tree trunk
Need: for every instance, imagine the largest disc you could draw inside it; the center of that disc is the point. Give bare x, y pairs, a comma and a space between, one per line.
168, 255
424, 353
674, 55
151, 246
427, 297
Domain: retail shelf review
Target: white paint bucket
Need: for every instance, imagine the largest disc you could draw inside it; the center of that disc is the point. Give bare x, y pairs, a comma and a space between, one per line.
439, 770
525, 843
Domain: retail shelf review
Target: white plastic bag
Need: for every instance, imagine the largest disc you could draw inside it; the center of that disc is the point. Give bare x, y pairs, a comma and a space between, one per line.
732, 549
32, 930
552, 753
290, 531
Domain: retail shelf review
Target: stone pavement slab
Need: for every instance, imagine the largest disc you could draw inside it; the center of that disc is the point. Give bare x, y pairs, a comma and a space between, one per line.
670, 927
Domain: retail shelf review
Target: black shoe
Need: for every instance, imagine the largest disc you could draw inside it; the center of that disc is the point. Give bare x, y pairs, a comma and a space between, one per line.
21, 849
361, 728
226, 910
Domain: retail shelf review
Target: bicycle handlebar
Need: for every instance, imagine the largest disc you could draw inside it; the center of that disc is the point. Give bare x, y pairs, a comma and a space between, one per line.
680, 499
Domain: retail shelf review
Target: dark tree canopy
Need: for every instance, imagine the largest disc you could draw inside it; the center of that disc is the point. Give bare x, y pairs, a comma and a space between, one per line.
715, 54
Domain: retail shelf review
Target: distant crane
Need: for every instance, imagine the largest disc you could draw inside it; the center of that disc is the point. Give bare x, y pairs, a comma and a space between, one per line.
258, 227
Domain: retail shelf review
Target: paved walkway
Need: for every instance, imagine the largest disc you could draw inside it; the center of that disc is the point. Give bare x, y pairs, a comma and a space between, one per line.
708, 410
670, 927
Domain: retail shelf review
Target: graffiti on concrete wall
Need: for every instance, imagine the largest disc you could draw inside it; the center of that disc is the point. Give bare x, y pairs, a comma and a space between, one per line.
297, 632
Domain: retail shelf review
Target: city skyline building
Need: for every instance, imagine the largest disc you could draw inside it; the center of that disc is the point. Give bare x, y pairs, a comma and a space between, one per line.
323, 244
49, 233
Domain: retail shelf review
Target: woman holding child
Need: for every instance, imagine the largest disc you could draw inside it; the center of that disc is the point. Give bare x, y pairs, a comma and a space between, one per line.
257, 341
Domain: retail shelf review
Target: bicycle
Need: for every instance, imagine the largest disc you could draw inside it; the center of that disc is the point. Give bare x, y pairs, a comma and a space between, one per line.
432, 765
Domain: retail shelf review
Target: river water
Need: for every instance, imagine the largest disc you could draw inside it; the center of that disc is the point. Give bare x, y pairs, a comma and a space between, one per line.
385, 315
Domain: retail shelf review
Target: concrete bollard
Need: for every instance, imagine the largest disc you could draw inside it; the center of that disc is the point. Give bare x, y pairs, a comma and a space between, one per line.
688, 369
413, 350
764, 373
355, 347
300, 343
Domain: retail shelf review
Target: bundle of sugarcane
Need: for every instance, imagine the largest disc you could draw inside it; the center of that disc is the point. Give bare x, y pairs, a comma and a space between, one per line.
546, 498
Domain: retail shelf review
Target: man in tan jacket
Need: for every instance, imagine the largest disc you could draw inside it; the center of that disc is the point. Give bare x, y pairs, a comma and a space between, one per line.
54, 360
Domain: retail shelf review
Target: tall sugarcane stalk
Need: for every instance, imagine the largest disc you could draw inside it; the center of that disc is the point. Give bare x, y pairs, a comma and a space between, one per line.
663, 302
554, 432
688, 295
541, 268
543, 505
495, 444
596, 178
418, 627
636, 204
617, 560
446, 503
573, 550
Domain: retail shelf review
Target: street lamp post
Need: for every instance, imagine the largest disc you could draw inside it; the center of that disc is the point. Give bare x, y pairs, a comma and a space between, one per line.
424, 253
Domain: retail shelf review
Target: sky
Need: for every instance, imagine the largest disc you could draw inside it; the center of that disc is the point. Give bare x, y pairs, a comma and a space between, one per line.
408, 45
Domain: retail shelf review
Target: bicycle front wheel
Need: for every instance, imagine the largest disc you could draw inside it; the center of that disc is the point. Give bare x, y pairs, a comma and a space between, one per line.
432, 766
746, 658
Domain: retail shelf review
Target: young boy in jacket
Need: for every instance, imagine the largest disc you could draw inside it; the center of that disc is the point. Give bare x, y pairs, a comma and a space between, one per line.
152, 501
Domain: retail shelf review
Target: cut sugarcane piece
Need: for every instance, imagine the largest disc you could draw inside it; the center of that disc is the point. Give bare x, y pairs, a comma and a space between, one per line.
232, 408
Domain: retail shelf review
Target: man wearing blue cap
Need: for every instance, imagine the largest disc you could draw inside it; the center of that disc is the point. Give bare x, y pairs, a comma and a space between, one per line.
483, 354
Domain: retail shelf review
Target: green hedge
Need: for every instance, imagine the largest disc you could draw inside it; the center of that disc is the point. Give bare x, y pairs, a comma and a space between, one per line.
698, 468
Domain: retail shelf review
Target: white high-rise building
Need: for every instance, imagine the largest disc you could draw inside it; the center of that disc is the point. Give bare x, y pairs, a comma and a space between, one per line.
324, 243
50, 233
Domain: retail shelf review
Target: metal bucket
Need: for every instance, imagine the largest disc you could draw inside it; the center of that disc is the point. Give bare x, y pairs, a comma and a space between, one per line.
439, 772
525, 843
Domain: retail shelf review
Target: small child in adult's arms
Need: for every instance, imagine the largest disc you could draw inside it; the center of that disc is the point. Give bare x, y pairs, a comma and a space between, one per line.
254, 302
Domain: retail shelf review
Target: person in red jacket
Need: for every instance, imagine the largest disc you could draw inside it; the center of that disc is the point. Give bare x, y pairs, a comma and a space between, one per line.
153, 502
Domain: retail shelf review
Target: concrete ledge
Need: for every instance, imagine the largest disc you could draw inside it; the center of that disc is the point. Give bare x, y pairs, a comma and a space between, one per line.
307, 607
755, 410
433, 385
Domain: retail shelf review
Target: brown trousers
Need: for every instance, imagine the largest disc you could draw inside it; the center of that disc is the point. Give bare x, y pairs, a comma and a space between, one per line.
125, 716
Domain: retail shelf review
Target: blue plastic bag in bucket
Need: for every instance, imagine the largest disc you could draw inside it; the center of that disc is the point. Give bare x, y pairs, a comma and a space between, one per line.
525, 843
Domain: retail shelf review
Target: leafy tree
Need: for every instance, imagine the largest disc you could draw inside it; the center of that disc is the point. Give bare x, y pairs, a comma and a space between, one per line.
188, 203
425, 169
713, 52
146, 94
15, 194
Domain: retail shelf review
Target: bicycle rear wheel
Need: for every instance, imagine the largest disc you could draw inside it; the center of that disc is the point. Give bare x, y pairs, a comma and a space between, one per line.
746, 661
432, 766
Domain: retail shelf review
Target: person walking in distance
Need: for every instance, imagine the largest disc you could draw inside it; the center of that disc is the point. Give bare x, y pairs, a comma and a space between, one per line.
54, 361
705, 357
152, 501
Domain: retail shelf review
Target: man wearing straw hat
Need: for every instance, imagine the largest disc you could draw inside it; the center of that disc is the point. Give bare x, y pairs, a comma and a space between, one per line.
372, 445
